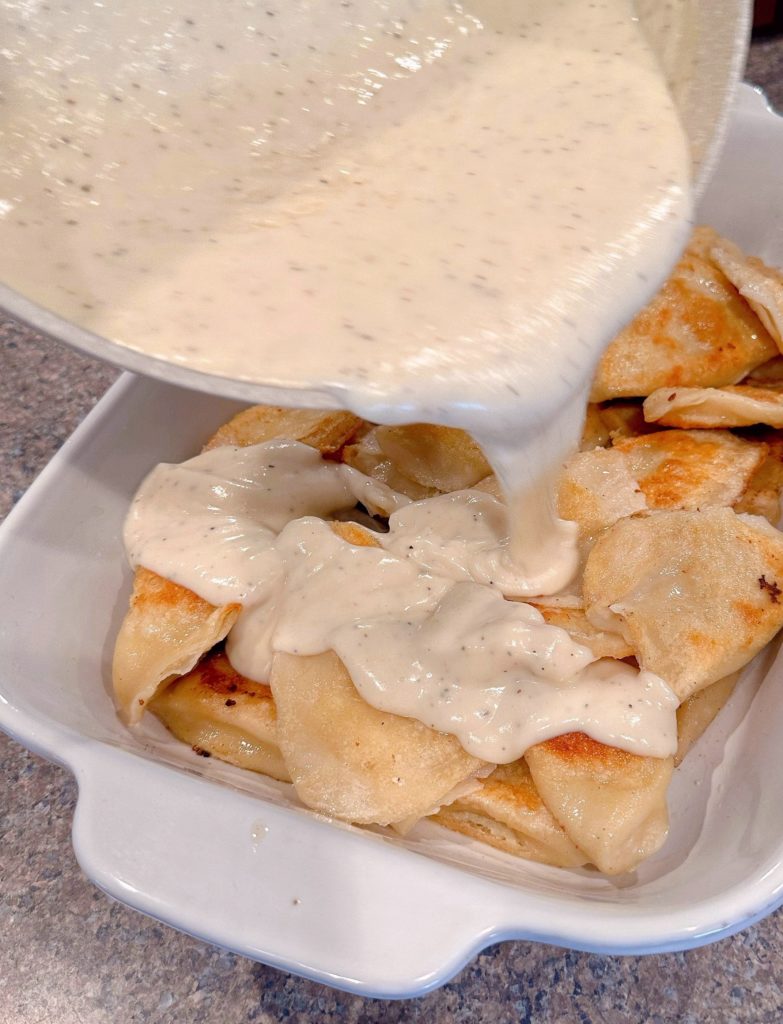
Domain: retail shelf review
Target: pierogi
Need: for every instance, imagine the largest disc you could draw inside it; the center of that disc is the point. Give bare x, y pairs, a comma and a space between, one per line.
383, 658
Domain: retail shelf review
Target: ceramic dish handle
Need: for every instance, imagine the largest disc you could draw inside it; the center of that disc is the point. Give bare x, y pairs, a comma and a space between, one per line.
279, 885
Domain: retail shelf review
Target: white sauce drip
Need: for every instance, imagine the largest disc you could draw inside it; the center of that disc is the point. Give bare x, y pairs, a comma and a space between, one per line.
464, 535
420, 622
233, 502
429, 210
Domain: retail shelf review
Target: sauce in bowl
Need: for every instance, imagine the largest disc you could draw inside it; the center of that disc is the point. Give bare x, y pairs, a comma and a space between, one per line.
428, 210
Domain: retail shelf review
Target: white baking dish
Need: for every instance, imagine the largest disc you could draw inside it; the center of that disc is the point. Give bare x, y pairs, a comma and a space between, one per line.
232, 858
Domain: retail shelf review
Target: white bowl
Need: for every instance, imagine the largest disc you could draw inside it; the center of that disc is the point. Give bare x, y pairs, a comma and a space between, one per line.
701, 45
232, 858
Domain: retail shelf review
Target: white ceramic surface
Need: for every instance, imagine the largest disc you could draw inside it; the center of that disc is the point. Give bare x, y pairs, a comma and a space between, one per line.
702, 47
232, 858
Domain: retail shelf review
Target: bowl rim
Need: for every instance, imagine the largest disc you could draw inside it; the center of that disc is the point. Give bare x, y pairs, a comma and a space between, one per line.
733, 45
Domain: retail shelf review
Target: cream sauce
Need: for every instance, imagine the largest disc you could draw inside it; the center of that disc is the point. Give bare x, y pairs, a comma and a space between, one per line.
420, 620
426, 210
231, 503
422, 210
465, 535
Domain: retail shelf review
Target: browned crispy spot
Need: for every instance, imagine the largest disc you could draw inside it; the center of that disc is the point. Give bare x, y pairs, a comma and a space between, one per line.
151, 589
519, 796
771, 587
752, 616
216, 673
682, 469
355, 534
694, 469
574, 747
699, 639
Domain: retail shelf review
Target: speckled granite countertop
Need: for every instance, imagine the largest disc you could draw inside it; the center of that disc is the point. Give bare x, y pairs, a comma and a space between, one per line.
68, 955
